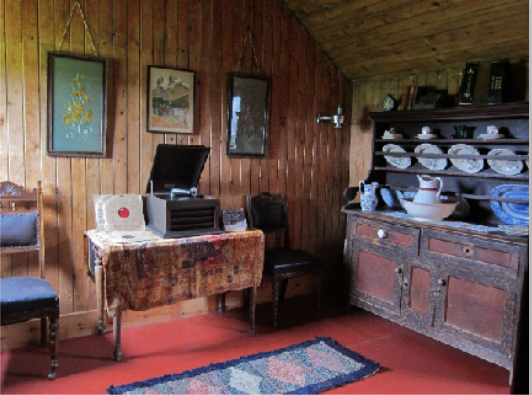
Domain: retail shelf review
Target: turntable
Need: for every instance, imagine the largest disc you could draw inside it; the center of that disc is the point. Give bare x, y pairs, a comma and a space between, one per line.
174, 207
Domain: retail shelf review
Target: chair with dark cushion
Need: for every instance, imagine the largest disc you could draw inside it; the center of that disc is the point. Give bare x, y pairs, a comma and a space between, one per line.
26, 298
268, 213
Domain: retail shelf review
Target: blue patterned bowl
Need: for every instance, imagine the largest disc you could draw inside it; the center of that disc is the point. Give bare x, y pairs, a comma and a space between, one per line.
511, 213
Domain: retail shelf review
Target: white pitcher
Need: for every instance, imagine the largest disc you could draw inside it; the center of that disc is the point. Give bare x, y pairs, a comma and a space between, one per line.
429, 190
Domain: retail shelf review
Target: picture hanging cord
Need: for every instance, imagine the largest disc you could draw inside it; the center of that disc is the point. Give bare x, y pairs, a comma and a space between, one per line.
252, 49
84, 23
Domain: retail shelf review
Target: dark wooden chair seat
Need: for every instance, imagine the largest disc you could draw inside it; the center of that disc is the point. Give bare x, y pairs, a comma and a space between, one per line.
285, 260
26, 298
26, 294
268, 213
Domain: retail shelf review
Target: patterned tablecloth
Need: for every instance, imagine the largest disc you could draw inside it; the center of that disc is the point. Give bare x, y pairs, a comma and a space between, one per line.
140, 275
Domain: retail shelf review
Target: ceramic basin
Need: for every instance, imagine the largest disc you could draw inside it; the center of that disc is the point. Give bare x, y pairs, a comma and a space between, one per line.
427, 211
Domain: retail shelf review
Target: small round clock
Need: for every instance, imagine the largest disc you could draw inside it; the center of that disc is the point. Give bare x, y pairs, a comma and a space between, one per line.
389, 103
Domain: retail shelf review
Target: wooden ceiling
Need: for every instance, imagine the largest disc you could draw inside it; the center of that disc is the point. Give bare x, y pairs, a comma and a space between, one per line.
377, 38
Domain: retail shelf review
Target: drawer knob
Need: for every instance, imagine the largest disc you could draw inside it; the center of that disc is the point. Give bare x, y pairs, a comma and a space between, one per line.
468, 251
398, 270
441, 281
382, 234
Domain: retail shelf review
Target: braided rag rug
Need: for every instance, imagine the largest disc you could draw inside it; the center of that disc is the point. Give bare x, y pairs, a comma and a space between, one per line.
305, 368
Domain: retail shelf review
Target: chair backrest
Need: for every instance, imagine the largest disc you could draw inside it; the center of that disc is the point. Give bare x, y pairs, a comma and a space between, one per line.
21, 220
268, 213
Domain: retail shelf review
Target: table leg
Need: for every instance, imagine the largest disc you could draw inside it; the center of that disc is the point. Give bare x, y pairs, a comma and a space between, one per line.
221, 303
100, 301
252, 303
117, 332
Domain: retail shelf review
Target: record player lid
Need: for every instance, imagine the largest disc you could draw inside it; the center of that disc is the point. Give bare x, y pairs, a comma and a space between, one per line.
177, 166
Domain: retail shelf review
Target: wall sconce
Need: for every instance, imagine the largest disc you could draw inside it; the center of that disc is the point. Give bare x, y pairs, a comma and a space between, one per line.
338, 120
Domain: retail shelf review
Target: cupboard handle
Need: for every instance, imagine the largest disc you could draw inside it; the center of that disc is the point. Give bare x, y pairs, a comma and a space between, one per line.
441, 281
382, 234
398, 270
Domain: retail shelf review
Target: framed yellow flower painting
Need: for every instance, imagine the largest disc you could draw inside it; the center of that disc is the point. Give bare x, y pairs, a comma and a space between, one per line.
77, 105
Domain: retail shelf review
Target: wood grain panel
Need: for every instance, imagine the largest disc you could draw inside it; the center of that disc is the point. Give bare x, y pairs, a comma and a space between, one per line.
48, 163
4, 152
79, 176
307, 161
476, 308
375, 276
419, 289
372, 39
393, 237
64, 186
480, 254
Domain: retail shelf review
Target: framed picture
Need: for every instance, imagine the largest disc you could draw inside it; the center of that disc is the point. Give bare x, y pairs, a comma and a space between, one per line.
170, 100
248, 115
77, 105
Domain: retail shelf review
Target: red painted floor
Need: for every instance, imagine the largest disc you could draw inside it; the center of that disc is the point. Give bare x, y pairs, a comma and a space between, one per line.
410, 363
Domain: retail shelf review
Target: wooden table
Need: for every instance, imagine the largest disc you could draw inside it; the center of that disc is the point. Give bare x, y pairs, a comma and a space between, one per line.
150, 271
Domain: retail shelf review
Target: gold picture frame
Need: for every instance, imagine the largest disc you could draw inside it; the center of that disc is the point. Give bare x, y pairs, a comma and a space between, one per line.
170, 100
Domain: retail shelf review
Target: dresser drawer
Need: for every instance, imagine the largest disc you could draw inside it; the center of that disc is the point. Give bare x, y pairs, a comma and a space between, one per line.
483, 255
387, 235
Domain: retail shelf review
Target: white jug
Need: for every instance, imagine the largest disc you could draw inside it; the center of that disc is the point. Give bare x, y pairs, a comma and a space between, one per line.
429, 190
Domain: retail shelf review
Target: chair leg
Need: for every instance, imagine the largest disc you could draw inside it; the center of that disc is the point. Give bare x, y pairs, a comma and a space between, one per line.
276, 284
318, 294
284, 286
54, 345
44, 332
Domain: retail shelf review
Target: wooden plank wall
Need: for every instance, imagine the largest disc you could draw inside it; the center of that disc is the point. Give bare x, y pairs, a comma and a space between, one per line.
306, 160
368, 95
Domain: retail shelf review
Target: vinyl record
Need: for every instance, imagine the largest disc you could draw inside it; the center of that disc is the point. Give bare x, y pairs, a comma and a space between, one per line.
119, 212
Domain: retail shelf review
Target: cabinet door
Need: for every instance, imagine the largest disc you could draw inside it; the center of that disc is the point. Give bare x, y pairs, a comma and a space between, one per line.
478, 283
477, 311
375, 278
419, 291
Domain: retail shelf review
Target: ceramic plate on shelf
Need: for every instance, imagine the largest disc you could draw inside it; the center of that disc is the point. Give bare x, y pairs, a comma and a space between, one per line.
505, 167
400, 162
511, 213
431, 163
467, 165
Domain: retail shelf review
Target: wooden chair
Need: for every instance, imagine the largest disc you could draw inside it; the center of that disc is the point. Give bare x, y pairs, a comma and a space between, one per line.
268, 213
26, 298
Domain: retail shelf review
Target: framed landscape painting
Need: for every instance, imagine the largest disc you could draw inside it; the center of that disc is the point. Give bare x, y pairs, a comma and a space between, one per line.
170, 100
248, 115
77, 105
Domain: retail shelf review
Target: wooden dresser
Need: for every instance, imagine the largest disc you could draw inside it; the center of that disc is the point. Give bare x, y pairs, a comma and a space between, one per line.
464, 286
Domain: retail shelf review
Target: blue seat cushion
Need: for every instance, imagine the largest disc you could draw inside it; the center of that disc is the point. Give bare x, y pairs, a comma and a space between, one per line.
284, 260
19, 294
17, 230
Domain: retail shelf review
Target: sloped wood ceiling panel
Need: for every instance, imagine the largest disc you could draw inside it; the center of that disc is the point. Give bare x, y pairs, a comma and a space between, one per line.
386, 38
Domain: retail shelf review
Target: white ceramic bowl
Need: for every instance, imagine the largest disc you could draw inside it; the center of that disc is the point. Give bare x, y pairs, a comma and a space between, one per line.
432, 212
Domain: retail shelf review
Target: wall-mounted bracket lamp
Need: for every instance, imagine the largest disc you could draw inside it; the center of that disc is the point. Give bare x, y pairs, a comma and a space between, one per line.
338, 120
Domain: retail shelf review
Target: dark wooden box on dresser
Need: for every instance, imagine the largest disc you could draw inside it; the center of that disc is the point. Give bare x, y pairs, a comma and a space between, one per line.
464, 282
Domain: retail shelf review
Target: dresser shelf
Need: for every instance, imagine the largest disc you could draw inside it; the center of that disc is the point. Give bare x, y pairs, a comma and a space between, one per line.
511, 119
